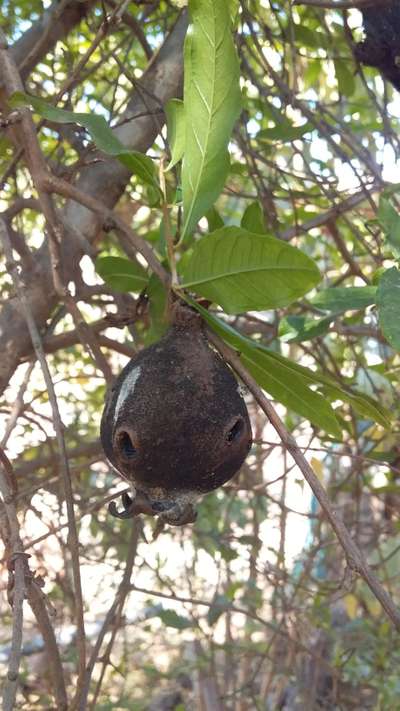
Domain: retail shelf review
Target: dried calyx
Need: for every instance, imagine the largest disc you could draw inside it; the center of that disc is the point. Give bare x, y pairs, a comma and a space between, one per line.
175, 424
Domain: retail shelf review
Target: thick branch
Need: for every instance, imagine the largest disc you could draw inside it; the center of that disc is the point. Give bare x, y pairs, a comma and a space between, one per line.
55, 23
105, 181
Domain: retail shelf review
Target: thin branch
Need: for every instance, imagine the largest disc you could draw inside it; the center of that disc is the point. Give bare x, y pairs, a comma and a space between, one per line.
59, 428
106, 179
23, 584
334, 212
113, 617
110, 220
276, 629
17, 566
37, 602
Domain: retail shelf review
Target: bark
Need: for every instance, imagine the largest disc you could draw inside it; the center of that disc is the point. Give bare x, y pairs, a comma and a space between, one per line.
106, 181
54, 24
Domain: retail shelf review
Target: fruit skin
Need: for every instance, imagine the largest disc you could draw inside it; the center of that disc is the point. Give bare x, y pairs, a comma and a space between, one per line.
175, 424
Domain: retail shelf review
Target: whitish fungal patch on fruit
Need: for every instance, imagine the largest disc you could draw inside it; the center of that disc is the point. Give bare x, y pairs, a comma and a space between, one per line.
127, 388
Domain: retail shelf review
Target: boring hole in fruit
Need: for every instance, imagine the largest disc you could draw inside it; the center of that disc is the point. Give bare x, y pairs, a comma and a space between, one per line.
125, 445
235, 430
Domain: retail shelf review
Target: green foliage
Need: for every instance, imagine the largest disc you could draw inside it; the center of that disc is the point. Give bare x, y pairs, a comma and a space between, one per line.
243, 271
297, 329
170, 618
158, 308
345, 77
253, 218
279, 377
101, 134
389, 219
220, 604
121, 274
306, 153
388, 300
284, 131
176, 130
212, 103
298, 377
340, 299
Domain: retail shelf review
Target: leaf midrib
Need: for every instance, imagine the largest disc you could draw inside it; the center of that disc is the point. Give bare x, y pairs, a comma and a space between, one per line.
299, 397
225, 275
210, 117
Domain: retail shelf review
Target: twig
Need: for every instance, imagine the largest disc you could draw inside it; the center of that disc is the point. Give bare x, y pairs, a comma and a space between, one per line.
37, 602
276, 629
110, 220
17, 566
27, 137
23, 584
58, 426
17, 405
355, 559
112, 618
342, 249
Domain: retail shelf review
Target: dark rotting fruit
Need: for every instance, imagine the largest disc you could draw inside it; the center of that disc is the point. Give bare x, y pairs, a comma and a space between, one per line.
175, 423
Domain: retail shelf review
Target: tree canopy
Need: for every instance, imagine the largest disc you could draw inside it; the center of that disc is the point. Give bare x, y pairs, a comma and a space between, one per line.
240, 156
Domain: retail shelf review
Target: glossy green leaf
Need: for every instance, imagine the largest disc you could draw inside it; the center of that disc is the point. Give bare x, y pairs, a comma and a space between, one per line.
388, 300
344, 298
253, 218
389, 220
298, 328
278, 378
244, 271
102, 135
121, 274
214, 219
175, 130
212, 103
363, 404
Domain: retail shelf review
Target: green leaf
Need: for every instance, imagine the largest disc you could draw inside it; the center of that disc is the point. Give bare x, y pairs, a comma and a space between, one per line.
344, 298
212, 103
121, 274
389, 220
158, 305
363, 404
175, 130
388, 300
295, 329
344, 76
219, 605
102, 135
253, 218
170, 618
306, 37
278, 377
244, 271
214, 219
285, 131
